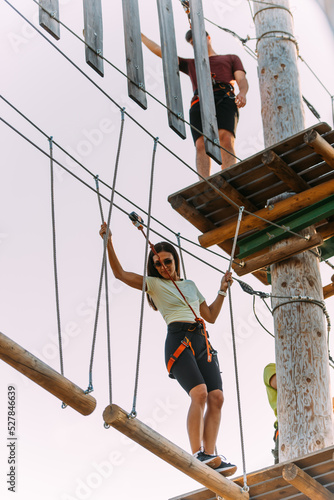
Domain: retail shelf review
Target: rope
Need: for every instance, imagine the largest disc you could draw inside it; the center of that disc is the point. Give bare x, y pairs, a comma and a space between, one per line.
54, 247
107, 300
245, 487
178, 237
133, 413
103, 266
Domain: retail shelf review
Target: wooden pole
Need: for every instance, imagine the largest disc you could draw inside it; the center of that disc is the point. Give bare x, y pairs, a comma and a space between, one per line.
305, 483
304, 402
33, 368
169, 452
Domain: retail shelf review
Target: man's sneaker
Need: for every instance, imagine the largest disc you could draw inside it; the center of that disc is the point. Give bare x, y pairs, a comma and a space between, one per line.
210, 460
225, 468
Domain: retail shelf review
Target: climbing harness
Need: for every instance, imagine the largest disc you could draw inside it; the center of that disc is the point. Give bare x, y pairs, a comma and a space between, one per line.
138, 222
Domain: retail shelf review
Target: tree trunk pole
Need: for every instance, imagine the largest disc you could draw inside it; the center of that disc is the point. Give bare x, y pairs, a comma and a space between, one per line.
304, 395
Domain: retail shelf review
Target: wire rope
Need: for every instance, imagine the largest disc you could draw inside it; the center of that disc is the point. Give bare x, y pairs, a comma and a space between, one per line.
133, 413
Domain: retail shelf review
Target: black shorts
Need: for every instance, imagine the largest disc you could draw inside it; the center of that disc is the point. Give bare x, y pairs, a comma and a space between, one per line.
226, 111
190, 370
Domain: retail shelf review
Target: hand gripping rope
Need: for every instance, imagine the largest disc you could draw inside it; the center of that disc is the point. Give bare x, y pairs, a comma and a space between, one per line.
138, 222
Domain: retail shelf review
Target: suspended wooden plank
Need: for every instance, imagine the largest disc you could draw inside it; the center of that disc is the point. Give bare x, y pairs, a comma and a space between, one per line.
48, 15
172, 454
203, 74
134, 53
93, 34
45, 376
294, 246
305, 483
284, 172
271, 213
171, 68
320, 146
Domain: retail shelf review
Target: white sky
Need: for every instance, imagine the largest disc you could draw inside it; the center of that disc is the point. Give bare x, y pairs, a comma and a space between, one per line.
61, 454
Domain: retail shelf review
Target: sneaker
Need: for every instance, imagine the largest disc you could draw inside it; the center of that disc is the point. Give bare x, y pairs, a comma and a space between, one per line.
225, 468
210, 460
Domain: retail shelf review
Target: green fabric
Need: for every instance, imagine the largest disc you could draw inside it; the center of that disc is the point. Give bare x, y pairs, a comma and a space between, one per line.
268, 372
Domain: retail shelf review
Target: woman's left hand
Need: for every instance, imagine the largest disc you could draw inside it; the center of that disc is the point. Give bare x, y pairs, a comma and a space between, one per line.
227, 279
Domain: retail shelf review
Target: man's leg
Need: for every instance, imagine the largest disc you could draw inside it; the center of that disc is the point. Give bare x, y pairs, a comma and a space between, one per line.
195, 416
212, 417
226, 139
203, 161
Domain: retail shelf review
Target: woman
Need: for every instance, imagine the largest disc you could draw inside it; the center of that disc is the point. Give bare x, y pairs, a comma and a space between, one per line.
191, 368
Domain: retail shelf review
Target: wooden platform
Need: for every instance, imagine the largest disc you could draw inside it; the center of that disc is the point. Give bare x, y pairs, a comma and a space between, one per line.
269, 483
292, 166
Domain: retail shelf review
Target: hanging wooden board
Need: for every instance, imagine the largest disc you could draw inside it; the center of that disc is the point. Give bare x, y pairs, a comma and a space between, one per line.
203, 74
171, 68
45, 376
134, 52
93, 34
48, 15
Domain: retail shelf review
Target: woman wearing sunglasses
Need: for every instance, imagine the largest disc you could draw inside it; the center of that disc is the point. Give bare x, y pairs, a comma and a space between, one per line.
190, 358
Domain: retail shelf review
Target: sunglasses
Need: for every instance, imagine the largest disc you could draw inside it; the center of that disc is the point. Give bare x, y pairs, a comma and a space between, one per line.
166, 262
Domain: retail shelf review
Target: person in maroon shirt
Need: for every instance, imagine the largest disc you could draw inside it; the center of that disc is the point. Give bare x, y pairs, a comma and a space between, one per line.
225, 70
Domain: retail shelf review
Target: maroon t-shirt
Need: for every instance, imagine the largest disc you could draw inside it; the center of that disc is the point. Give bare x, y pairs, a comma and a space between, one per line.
222, 68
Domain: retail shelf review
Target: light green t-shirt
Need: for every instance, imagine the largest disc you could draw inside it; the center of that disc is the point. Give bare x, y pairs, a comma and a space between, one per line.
170, 302
269, 372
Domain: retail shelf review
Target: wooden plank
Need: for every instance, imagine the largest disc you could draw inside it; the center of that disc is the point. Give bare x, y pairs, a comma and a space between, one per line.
171, 68
284, 171
328, 291
305, 483
294, 245
203, 74
93, 32
45, 376
320, 146
172, 454
134, 52
48, 17
270, 213
232, 193
295, 222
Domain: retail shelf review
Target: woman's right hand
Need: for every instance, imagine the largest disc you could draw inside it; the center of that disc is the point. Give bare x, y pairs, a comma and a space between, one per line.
104, 229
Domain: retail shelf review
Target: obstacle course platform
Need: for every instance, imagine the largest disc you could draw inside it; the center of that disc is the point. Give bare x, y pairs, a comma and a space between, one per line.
308, 477
302, 165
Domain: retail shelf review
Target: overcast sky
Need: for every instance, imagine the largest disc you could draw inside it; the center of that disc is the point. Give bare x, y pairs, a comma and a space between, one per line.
61, 454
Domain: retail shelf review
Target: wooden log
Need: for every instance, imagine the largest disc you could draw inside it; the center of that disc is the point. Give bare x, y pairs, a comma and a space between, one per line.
328, 291
172, 454
50, 21
284, 172
134, 52
305, 483
320, 146
93, 32
45, 376
171, 68
203, 74
291, 246
232, 193
271, 213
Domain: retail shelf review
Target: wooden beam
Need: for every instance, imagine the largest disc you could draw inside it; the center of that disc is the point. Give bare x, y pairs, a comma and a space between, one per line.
93, 34
203, 74
294, 245
48, 21
320, 146
172, 454
305, 483
328, 291
45, 376
171, 68
134, 52
232, 193
284, 172
270, 213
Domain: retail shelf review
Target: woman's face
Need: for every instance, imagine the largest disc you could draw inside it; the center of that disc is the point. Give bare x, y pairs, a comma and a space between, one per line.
168, 260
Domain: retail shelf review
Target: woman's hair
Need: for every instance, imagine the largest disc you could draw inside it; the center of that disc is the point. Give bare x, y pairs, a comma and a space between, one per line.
163, 246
